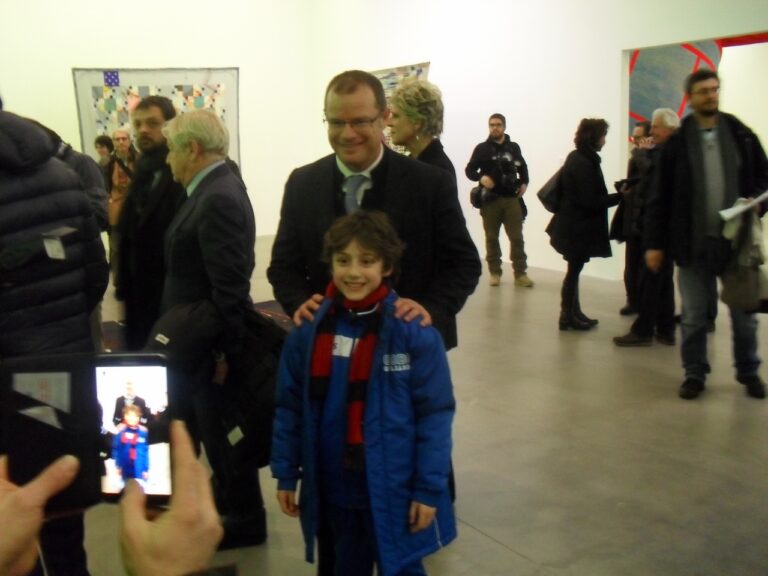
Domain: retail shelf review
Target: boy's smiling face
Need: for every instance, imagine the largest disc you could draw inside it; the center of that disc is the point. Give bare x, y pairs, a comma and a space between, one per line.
357, 272
131, 418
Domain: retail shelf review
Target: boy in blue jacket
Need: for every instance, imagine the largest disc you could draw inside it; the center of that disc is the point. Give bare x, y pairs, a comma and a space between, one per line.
130, 449
363, 414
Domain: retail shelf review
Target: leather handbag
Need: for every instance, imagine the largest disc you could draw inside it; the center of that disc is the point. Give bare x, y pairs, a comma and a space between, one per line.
551, 193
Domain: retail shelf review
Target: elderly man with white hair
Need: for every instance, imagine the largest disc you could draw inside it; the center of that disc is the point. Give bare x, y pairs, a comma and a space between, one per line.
209, 257
656, 291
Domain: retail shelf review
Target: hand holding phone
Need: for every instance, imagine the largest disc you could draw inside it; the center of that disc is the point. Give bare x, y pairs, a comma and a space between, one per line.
183, 539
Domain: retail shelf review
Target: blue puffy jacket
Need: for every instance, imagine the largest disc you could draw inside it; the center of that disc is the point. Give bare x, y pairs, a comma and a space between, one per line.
408, 414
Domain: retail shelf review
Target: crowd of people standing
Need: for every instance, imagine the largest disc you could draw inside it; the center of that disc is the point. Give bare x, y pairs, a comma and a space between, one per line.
372, 261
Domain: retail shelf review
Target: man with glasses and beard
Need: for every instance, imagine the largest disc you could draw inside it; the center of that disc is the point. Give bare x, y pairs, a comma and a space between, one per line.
151, 204
710, 162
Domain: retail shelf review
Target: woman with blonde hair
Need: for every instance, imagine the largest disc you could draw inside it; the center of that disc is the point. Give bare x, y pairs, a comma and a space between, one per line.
416, 122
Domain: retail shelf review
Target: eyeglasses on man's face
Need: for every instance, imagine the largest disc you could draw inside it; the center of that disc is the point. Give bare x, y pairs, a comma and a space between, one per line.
706, 91
358, 124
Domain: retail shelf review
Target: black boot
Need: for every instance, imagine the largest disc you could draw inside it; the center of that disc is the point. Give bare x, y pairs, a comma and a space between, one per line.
569, 321
577, 313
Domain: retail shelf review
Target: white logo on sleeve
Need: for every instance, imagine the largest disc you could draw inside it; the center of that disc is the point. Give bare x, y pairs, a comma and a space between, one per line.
397, 362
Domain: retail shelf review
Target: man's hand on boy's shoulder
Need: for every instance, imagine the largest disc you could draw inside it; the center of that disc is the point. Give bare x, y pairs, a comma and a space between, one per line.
307, 310
420, 516
407, 309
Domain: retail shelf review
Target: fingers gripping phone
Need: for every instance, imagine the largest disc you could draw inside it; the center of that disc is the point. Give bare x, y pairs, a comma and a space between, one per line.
110, 411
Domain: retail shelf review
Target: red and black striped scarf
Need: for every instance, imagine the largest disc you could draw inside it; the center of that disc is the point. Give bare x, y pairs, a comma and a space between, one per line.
133, 440
367, 311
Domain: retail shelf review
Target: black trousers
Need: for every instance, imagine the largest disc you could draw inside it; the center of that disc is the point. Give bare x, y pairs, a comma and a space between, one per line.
656, 311
61, 541
634, 264
199, 402
570, 291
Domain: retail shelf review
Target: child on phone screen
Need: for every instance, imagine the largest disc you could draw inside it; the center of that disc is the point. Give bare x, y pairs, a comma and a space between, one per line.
363, 414
130, 449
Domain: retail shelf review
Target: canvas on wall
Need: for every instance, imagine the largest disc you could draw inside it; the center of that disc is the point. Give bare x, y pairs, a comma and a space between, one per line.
106, 97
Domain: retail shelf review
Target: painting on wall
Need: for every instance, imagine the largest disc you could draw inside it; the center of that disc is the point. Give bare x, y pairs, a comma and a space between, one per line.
656, 74
391, 77
106, 97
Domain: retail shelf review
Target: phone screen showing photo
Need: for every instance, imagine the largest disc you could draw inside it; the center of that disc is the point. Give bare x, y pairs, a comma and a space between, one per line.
133, 397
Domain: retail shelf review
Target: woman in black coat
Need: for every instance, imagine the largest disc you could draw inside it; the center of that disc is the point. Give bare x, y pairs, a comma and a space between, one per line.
416, 122
579, 230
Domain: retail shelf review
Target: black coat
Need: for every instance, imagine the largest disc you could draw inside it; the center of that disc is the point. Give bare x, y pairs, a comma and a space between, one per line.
669, 209
579, 230
45, 302
149, 209
440, 267
435, 155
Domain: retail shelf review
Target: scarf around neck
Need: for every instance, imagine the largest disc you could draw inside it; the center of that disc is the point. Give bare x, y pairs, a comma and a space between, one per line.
367, 311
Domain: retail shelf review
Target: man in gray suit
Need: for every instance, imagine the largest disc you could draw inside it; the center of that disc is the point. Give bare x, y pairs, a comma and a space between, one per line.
209, 256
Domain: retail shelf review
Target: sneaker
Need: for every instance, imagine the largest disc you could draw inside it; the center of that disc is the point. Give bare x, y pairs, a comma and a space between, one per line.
524, 281
755, 385
495, 280
691, 389
666, 339
632, 339
628, 310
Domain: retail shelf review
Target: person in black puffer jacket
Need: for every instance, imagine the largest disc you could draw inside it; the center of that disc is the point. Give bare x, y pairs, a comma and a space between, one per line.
47, 289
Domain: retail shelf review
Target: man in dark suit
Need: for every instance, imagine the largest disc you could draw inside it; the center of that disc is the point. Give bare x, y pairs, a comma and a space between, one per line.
440, 267
130, 399
209, 256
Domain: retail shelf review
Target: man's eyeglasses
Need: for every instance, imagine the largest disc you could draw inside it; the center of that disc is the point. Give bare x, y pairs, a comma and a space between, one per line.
705, 91
358, 124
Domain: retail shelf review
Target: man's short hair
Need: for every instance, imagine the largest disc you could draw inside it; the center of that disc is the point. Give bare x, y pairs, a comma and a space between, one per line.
125, 131
161, 102
420, 101
349, 81
202, 126
498, 117
106, 141
372, 230
589, 132
646, 126
667, 117
699, 76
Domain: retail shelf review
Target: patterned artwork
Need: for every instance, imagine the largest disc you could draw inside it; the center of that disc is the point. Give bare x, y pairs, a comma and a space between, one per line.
391, 77
106, 98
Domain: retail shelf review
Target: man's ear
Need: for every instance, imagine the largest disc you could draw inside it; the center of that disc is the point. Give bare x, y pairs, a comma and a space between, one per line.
388, 272
386, 113
195, 149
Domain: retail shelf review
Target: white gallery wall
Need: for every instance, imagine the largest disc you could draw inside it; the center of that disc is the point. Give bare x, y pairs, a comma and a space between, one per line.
544, 64
744, 78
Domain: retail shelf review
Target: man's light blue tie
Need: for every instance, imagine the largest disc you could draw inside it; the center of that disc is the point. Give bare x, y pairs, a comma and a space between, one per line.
351, 185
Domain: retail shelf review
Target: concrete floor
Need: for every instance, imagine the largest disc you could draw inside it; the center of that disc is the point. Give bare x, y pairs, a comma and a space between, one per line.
572, 457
